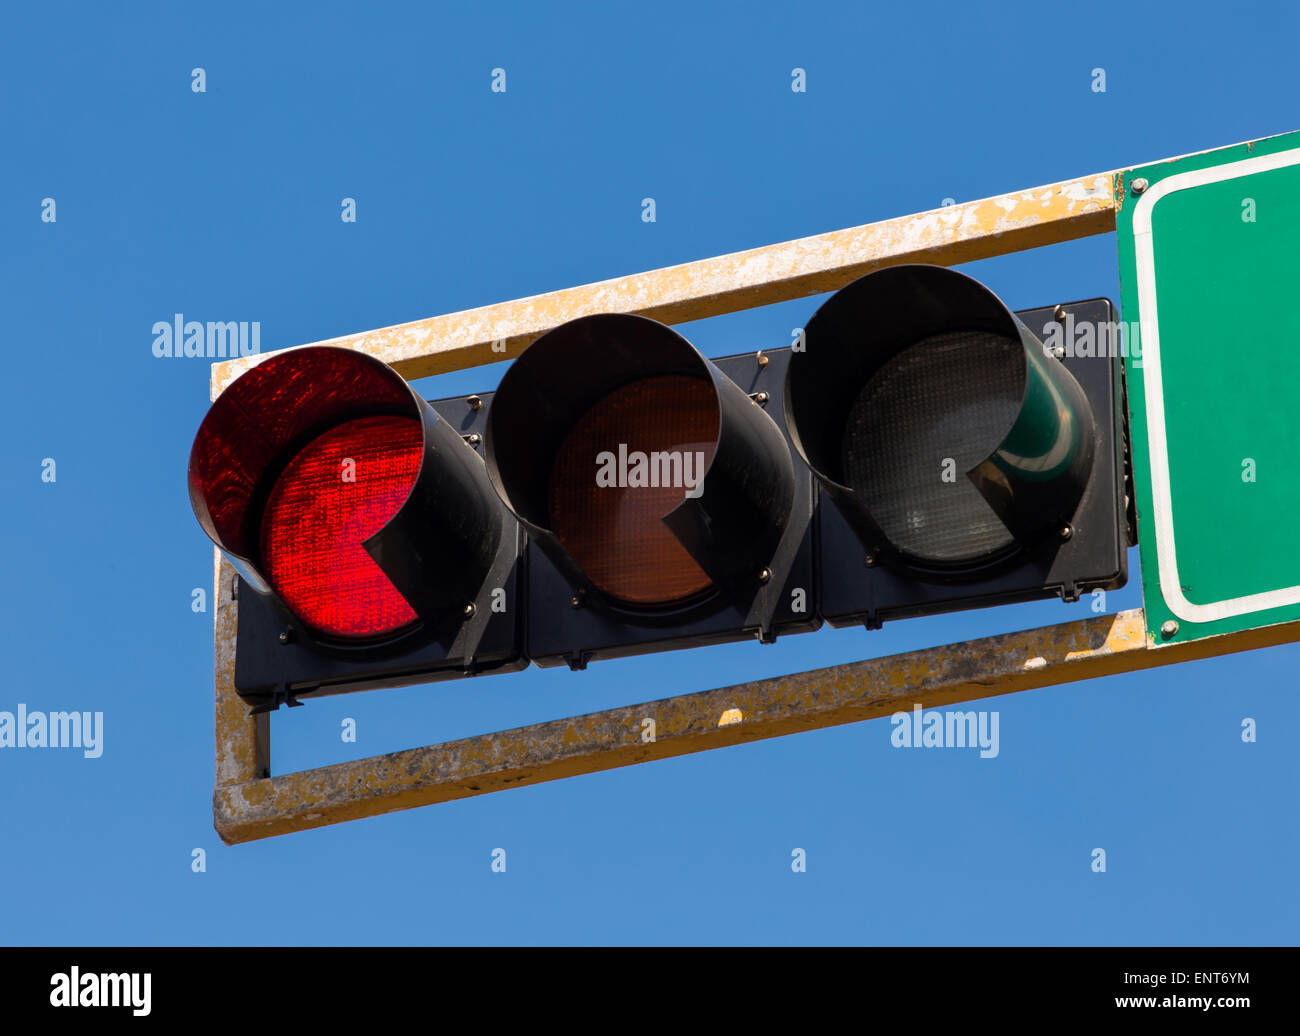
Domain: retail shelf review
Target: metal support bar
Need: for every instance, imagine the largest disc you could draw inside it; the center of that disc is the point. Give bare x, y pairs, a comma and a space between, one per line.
728, 283
243, 740
774, 707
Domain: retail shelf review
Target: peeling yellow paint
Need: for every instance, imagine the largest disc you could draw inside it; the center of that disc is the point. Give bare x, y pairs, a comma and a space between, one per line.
1097, 646
742, 280
242, 741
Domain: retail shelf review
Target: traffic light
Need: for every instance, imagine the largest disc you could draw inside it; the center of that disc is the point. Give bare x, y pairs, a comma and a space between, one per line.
960, 463
918, 450
663, 503
370, 547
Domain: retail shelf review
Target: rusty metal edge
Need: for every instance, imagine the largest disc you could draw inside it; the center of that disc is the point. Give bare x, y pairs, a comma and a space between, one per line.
526, 756
740, 280
243, 742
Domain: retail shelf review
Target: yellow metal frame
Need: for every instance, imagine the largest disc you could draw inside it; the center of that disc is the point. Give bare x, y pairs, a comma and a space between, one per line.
742, 280
248, 803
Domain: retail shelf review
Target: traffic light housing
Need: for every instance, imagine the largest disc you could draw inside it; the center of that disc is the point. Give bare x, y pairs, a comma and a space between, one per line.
371, 549
918, 450
960, 462
662, 500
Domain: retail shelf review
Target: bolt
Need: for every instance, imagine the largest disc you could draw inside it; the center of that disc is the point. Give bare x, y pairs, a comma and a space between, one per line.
1058, 314
760, 397
765, 575
286, 636
1168, 628
1139, 185
473, 438
468, 610
1065, 531
762, 360
474, 402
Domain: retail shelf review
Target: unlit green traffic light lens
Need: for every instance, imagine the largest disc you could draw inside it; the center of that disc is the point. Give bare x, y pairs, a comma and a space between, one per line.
931, 414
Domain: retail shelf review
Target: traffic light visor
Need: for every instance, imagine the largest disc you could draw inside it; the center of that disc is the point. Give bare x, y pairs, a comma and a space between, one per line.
647, 475
935, 419
330, 484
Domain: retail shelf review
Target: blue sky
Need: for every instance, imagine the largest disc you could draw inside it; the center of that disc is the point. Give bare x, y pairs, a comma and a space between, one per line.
225, 206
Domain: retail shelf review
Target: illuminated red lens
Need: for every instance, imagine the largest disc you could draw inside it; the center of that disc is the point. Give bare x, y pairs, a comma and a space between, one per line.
616, 532
337, 492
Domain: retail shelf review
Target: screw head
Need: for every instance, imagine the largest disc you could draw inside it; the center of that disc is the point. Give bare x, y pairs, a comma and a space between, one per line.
468, 610
1065, 531
762, 360
1168, 628
286, 636
765, 575
1139, 185
761, 397
575, 601
870, 560
473, 438
1058, 314
474, 402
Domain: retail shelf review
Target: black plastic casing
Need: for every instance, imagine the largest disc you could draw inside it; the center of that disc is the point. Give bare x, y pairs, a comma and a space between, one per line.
569, 625
860, 588
279, 660
820, 565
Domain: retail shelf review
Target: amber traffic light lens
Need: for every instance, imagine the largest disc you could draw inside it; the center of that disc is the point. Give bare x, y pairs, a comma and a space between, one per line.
626, 463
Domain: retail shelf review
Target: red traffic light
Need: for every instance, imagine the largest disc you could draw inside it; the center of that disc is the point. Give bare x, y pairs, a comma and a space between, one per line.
333, 487
316, 521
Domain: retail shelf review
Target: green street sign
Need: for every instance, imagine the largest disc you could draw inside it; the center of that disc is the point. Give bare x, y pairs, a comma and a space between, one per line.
1209, 256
